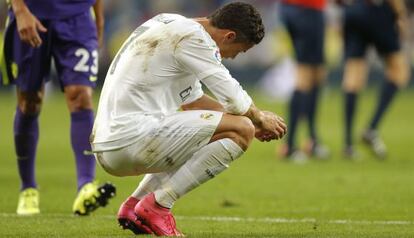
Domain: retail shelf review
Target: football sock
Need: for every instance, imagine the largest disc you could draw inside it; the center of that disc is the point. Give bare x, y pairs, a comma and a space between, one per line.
150, 183
311, 111
296, 108
81, 128
387, 94
350, 105
204, 165
26, 135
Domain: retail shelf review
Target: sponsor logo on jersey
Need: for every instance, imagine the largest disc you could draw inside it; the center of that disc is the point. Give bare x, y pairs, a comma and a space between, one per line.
207, 116
185, 93
14, 70
93, 78
217, 55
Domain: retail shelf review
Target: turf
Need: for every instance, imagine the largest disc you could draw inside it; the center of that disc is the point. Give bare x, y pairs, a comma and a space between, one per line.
259, 196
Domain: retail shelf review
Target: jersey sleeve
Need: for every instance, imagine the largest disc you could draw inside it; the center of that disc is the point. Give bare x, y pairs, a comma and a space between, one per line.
200, 56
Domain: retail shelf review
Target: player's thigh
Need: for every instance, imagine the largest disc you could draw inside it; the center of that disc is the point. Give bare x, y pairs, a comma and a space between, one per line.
75, 50
397, 68
175, 140
27, 67
240, 129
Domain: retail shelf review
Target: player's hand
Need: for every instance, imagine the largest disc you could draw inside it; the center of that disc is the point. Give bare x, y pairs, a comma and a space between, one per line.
28, 27
271, 127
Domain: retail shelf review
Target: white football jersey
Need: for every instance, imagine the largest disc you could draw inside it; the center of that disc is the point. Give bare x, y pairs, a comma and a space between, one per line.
157, 70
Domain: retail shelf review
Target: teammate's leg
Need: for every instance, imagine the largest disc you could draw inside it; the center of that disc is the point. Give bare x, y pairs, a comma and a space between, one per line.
355, 76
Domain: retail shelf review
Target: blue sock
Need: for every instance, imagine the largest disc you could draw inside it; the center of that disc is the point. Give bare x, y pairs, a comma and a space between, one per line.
387, 94
311, 111
81, 128
296, 110
350, 105
26, 136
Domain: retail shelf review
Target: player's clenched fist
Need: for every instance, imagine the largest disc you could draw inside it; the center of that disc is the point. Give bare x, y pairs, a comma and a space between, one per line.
271, 127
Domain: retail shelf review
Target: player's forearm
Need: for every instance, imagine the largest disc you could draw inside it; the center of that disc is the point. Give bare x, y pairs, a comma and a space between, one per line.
18, 6
204, 103
398, 6
98, 9
255, 115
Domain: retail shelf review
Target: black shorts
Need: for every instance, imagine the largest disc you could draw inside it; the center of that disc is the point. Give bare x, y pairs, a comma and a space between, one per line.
368, 24
306, 27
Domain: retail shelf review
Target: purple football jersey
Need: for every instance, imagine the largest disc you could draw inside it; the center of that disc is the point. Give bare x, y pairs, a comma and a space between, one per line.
58, 9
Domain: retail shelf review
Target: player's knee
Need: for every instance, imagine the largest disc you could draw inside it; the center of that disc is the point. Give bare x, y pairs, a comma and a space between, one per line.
30, 108
245, 131
78, 98
30, 104
352, 85
399, 74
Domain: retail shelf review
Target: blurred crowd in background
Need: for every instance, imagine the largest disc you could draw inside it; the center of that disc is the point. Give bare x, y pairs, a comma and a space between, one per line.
269, 65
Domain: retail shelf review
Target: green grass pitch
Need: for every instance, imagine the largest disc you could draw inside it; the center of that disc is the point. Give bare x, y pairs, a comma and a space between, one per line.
259, 196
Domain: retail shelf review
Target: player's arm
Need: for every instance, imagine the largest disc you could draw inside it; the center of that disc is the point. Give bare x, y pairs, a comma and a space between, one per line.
400, 12
269, 126
98, 9
205, 102
200, 59
28, 26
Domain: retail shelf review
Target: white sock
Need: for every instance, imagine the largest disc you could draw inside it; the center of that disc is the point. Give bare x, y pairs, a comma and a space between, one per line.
204, 165
150, 183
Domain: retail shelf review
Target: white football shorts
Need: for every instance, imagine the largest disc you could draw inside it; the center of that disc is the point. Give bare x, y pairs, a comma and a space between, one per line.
167, 146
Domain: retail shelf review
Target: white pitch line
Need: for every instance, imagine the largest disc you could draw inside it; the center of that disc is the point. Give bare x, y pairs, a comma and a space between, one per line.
242, 219
292, 220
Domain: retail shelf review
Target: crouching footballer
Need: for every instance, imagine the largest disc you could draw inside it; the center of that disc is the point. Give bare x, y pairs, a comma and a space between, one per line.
153, 117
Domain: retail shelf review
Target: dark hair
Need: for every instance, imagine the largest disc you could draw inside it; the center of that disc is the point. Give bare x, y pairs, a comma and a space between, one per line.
241, 18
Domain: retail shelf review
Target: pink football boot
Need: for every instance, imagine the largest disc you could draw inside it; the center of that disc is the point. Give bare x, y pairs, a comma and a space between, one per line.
128, 220
159, 219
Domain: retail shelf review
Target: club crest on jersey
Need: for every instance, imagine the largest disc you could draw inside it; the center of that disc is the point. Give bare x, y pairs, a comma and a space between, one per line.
206, 116
217, 55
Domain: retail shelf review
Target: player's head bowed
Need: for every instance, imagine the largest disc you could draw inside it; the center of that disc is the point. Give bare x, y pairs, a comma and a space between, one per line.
242, 18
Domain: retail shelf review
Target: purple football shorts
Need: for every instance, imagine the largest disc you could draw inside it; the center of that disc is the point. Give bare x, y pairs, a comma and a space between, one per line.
71, 42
